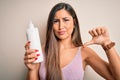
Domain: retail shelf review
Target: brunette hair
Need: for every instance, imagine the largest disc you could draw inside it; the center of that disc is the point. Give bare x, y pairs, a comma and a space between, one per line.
52, 63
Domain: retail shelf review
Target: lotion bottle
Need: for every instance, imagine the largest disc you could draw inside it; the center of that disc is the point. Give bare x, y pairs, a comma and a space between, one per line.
33, 37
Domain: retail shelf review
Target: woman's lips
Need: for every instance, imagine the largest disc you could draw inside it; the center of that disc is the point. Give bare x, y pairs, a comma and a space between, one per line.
61, 32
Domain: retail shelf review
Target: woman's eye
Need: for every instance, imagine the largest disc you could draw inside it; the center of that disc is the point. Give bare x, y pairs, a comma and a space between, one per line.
66, 19
55, 21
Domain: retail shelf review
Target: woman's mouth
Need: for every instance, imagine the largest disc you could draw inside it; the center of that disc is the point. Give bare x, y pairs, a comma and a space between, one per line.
61, 32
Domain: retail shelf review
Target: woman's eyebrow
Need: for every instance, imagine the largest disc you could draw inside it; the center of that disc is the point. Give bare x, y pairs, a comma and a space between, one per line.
66, 17
62, 18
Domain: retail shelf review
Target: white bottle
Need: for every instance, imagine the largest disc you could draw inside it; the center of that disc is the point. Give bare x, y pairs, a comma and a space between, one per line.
33, 37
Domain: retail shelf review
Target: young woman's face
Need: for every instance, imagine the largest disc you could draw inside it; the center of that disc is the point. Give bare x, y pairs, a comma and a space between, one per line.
63, 24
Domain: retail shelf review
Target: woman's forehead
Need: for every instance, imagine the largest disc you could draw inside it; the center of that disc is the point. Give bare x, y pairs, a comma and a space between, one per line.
62, 13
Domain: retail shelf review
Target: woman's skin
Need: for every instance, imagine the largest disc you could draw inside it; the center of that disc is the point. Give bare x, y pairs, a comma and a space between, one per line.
63, 27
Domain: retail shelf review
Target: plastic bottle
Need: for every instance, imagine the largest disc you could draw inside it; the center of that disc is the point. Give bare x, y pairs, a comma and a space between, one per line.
33, 37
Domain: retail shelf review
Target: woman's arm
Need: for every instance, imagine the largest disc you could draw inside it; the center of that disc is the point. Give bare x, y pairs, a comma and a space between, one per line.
33, 75
114, 62
29, 58
98, 65
101, 37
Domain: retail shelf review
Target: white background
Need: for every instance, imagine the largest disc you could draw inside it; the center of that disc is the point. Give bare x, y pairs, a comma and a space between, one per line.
14, 18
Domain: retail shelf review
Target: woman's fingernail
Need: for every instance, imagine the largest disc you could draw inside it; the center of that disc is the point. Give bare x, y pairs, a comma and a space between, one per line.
36, 50
36, 58
38, 54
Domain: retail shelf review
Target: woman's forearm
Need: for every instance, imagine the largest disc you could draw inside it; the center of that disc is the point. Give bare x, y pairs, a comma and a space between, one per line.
32, 75
114, 62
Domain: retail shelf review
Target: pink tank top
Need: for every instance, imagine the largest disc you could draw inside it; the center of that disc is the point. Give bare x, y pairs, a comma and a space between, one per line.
72, 71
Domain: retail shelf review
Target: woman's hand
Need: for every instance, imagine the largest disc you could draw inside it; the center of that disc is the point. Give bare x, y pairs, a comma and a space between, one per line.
30, 57
99, 35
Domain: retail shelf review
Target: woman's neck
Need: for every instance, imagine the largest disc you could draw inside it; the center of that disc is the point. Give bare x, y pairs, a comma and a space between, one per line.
66, 43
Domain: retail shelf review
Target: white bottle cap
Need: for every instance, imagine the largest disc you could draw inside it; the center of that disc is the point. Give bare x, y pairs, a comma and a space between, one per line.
31, 25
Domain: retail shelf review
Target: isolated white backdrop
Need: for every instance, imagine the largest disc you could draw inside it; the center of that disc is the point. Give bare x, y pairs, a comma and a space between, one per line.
14, 18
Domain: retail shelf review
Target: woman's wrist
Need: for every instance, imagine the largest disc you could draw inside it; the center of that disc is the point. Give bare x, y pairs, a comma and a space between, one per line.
107, 45
106, 42
32, 70
33, 75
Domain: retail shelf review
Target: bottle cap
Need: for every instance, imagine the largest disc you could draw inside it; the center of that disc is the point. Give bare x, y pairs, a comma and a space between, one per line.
31, 25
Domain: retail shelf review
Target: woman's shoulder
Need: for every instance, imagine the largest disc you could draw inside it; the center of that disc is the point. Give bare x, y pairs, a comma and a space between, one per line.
87, 52
86, 49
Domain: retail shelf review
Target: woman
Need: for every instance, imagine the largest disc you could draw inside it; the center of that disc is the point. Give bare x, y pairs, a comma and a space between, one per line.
65, 55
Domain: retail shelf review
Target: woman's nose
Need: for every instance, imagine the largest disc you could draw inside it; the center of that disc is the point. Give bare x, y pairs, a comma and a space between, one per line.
61, 25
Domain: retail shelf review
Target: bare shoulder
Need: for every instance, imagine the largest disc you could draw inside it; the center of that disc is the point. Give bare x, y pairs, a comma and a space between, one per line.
87, 52
86, 49
90, 56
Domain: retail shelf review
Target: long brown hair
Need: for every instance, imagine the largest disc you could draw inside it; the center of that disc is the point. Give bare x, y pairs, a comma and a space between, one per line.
52, 63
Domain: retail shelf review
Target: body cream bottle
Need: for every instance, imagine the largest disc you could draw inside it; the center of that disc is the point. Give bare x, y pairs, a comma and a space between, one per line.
33, 37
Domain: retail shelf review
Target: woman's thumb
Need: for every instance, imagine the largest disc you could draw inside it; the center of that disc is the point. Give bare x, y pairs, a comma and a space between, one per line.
88, 43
